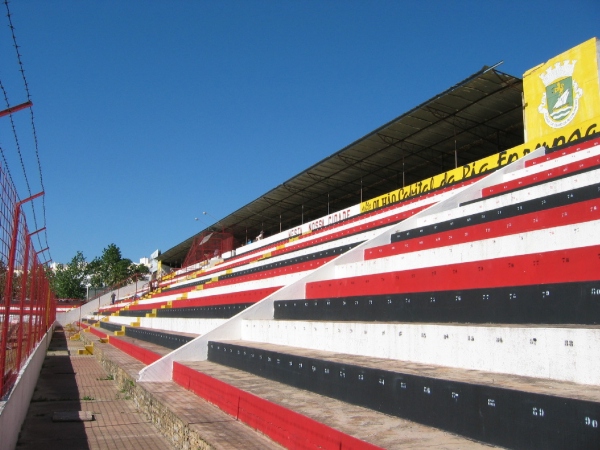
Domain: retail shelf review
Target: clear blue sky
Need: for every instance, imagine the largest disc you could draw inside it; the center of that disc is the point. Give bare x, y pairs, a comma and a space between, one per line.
150, 112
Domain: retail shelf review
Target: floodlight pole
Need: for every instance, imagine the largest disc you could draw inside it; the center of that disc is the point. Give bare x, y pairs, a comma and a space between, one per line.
218, 222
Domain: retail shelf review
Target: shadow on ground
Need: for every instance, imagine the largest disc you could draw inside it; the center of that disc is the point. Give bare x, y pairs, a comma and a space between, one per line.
56, 392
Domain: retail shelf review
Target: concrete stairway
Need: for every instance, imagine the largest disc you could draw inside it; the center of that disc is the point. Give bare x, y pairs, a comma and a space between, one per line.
477, 315
228, 398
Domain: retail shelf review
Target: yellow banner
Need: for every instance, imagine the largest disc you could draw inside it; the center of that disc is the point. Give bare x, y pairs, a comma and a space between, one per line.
562, 92
567, 135
444, 179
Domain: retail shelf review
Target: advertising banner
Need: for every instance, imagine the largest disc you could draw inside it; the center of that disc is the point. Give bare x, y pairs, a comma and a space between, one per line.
563, 92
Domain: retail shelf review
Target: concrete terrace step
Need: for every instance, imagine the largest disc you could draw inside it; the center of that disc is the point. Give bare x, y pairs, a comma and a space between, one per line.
507, 410
142, 350
177, 310
169, 339
206, 424
363, 424
164, 338
528, 384
552, 303
559, 352
187, 421
195, 326
120, 359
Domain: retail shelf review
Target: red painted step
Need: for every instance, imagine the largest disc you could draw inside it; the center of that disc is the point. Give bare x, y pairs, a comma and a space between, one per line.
288, 428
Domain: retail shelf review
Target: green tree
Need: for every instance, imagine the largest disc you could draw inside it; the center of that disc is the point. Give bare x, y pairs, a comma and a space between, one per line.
137, 271
68, 281
104, 270
111, 268
3, 270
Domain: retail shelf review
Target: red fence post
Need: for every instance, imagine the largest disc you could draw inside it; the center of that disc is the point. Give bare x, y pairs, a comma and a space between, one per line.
34, 294
24, 277
8, 290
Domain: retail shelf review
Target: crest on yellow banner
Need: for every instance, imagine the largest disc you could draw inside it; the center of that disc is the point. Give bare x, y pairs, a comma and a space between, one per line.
560, 102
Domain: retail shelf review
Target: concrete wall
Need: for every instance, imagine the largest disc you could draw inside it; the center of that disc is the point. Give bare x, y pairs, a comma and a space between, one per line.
14, 410
93, 305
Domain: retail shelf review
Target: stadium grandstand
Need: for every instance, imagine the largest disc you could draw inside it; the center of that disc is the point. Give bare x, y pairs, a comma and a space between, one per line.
434, 284
478, 117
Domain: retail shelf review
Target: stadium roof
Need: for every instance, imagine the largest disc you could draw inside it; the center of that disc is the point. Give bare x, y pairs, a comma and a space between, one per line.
480, 116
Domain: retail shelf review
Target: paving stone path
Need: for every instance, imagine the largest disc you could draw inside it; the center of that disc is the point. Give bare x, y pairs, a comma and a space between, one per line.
72, 389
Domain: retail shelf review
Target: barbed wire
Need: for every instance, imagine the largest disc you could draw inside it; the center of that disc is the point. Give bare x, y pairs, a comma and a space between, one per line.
16, 137
35, 139
6, 163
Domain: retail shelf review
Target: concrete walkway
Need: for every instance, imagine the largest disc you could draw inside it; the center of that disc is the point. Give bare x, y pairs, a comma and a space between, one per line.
188, 421
77, 405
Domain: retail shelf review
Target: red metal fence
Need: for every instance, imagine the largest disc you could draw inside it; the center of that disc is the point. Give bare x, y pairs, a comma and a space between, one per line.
27, 304
208, 245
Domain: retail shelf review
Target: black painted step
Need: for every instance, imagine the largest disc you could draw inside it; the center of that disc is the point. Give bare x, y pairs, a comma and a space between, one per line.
560, 303
505, 410
191, 312
168, 339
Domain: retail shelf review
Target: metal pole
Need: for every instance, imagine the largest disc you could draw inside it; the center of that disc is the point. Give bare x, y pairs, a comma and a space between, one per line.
35, 292
8, 111
7, 297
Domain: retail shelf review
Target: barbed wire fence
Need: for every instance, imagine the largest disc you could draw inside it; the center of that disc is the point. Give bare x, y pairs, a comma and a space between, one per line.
27, 304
